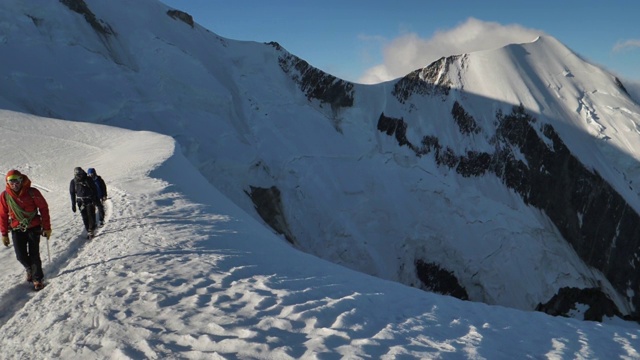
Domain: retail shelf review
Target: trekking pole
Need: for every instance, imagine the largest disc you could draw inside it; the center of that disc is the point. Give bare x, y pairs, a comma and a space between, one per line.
48, 251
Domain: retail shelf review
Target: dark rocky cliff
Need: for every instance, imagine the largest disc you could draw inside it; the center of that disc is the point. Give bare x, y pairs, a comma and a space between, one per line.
80, 7
598, 223
428, 81
315, 83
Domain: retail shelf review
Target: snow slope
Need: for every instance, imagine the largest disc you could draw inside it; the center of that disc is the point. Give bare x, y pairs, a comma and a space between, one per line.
180, 272
352, 195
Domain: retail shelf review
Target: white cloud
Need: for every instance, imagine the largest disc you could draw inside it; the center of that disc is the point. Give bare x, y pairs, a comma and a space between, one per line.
624, 45
410, 52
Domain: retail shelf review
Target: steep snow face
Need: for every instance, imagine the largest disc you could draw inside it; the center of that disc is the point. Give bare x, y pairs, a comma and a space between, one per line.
547, 153
587, 105
437, 170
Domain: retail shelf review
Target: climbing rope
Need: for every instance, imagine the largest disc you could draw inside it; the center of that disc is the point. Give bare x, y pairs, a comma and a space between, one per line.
24, 217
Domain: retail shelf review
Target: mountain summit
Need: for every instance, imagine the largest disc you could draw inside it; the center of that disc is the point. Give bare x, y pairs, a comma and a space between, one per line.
503, 176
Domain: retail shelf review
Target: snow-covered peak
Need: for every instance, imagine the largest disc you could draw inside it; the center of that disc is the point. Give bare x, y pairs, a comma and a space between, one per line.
482, 175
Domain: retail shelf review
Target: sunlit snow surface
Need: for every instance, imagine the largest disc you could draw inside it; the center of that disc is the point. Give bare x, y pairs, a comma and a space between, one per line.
182, 271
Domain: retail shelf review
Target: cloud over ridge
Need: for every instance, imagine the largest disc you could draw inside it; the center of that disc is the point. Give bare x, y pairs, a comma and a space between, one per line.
409, 51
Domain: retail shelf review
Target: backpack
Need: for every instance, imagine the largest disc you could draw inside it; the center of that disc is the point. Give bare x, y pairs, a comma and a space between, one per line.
83, 190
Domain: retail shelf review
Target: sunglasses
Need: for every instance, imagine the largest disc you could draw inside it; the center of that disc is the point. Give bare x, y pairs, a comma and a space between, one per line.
14, 181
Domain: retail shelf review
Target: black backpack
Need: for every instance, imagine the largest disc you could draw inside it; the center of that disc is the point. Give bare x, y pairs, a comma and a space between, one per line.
83, 190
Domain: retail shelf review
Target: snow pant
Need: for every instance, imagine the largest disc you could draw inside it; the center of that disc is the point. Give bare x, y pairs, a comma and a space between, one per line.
100, 207
88, 212
27, 247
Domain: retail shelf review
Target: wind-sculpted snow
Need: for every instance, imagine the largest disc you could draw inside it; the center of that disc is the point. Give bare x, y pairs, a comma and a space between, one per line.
187, 265
180, 272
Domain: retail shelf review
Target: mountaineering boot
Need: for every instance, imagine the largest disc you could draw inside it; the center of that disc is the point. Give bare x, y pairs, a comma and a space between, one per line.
38, 285
30, 271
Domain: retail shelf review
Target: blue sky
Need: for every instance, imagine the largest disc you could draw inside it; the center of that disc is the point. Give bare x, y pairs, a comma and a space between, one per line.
349, 38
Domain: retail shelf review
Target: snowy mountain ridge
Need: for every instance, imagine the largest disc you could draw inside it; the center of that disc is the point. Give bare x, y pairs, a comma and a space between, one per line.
479, 170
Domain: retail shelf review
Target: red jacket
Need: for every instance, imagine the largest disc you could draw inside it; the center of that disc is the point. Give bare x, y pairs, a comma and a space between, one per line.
29, 199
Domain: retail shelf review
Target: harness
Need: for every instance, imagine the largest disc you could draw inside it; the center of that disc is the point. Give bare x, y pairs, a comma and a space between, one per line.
24, 217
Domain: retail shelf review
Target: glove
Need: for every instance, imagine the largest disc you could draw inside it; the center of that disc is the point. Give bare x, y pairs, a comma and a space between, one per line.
73, 207
47, 233
5, 240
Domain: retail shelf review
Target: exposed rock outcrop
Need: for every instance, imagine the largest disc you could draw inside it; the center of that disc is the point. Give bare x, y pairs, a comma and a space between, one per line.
81, 7
571, 300
436, 279
621, 86
269, 206
466, 123
397, 128
182, 16
315, 83
431, 80
589, 213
